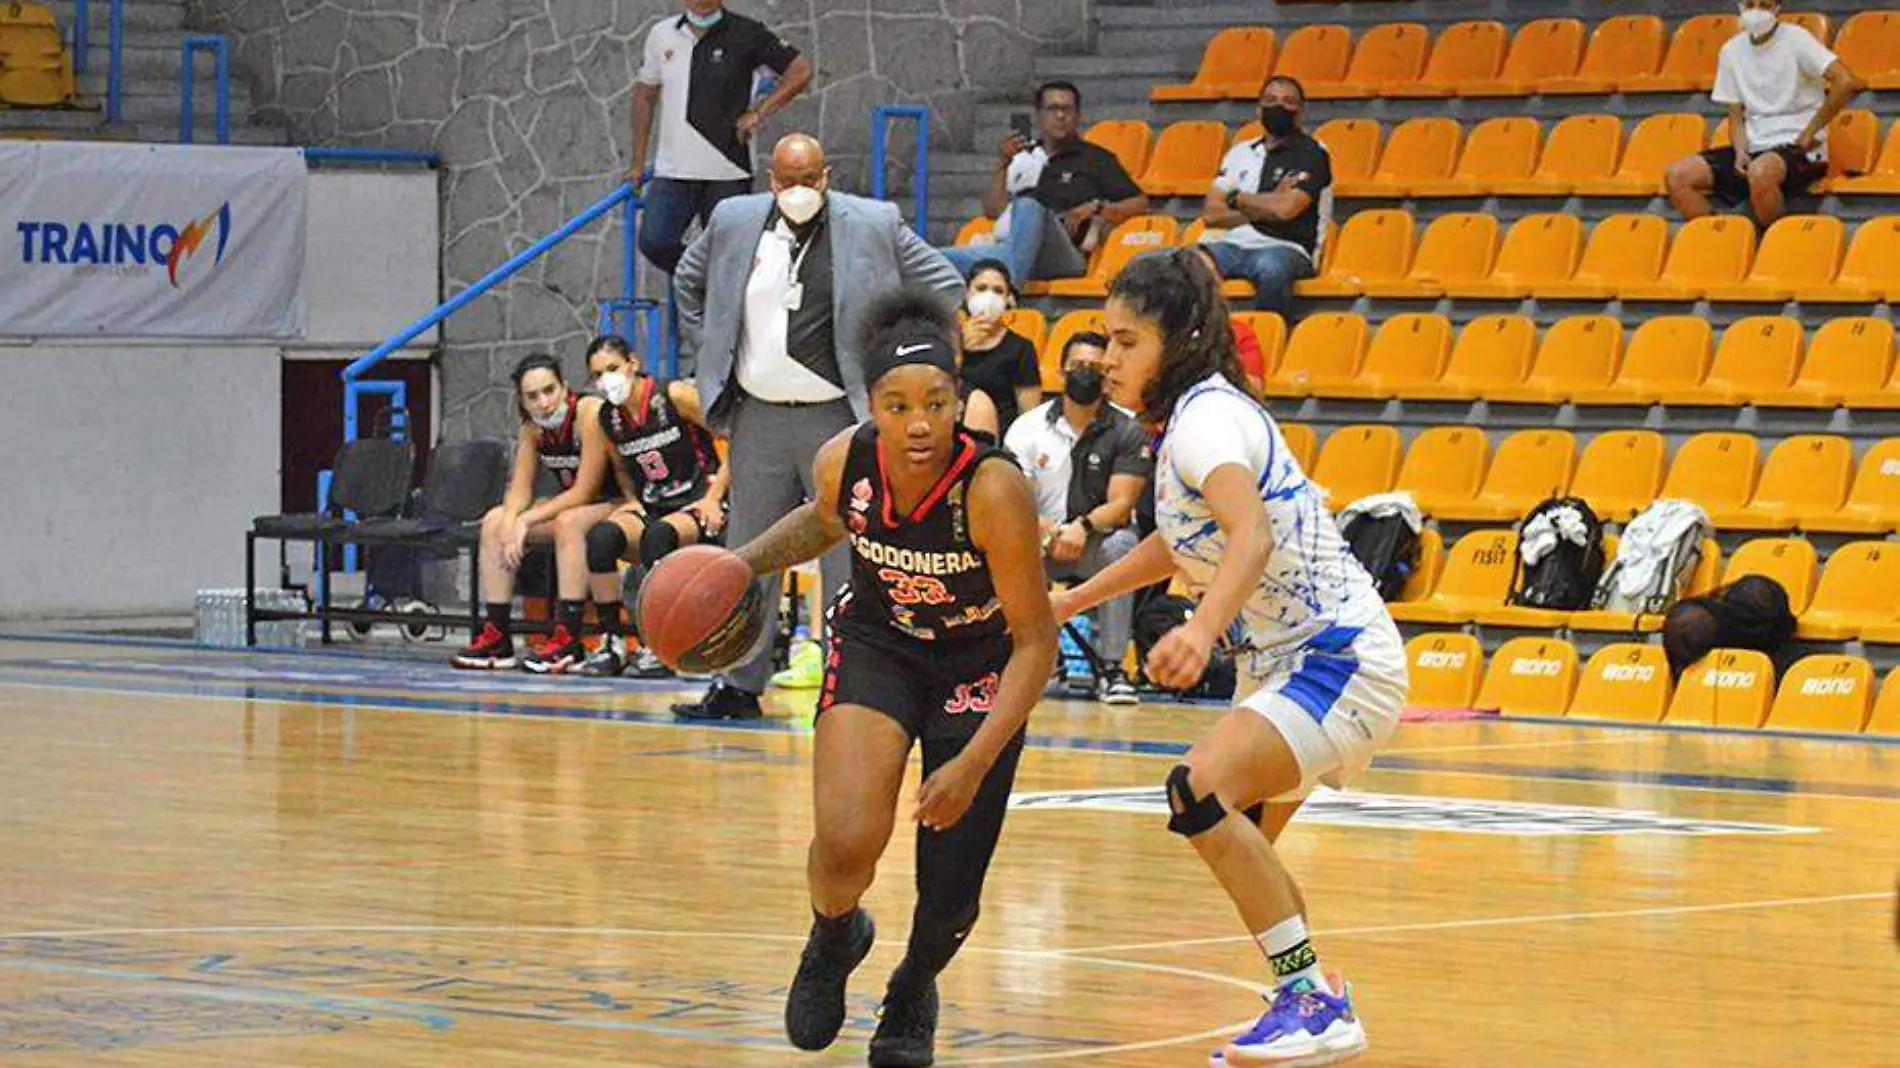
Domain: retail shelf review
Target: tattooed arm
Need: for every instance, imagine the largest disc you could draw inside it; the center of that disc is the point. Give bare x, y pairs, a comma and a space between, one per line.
812, 527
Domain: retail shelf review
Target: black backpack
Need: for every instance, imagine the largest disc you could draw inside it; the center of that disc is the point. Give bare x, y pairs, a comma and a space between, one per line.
1750, 613
1156, 613
1388, 548
1566, 577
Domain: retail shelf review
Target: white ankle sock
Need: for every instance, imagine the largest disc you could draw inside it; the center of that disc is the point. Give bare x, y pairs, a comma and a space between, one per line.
1290, 953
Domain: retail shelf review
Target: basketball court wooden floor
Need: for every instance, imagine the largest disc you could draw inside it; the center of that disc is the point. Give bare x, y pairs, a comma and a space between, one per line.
329, 860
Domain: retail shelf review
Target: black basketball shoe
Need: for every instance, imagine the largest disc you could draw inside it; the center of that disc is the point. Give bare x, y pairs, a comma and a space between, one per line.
907, 1024
814, 1010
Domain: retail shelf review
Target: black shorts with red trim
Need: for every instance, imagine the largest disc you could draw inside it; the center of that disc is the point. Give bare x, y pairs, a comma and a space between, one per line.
934, 690
1731, 185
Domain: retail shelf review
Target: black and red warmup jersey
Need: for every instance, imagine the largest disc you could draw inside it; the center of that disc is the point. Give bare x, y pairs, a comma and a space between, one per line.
668, 458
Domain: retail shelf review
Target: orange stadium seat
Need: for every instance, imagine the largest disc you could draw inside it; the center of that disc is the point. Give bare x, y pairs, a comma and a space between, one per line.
1814, 22
1476, 576
1458, 247
1270, 330
1727, 688
1354, 146
1530, 466
1372, 246
1621, 48
1581, 148
1185, 159
1848, 357
1531, 677
1873, 501
1886, 717
1326, 348
1446, 669
1716, 470
1580, 353
1143, 233
1624, 251
1444, 467
1856, 591
1853, 138
1800, 250
1826, 694
1407, 350
1625, 681
1317, 55
1883, 177
1128, 139
1418, 150
1712, 251
1666, 354
1538, 251
1869, 44
1621, 472
1357, 461
976, 230
1657, 141
1870, 272
1543, 48
1031, 324
1431, 561
1493, 352
35, 68
1392, 53
1497, 151
1466, 53
1758, 358
1302, 441
1789, 561
1806, 478
1690, 64
1234, 66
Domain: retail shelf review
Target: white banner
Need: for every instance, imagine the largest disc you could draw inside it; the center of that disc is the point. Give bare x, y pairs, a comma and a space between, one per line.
151, 240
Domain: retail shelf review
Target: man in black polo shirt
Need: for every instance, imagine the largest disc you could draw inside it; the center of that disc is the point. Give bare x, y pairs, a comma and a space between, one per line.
1088, 462
698, 67
1272, 198
1052, 199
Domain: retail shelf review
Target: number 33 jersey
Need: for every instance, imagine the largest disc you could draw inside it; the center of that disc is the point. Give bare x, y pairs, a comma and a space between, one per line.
917, 574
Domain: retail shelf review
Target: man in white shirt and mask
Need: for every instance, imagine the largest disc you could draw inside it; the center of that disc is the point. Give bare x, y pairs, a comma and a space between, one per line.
1782, 88
773, 299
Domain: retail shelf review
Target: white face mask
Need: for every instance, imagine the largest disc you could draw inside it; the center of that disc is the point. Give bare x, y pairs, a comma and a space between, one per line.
987, 305
1756, 22
800, 204
616, 386
553, 420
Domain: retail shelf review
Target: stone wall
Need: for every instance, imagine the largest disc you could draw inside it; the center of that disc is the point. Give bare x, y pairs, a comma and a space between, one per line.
527, 103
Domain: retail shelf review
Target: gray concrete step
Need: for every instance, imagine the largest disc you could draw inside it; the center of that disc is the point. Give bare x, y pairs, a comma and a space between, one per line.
140, 15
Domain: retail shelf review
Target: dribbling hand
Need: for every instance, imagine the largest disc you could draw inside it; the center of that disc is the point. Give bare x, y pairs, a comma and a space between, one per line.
1179, 658
946, 795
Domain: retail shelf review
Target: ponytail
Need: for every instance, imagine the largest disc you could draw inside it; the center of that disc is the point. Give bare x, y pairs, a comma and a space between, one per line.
1180, 295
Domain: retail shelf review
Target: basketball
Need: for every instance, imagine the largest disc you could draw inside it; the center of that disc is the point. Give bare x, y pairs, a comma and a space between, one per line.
699, 610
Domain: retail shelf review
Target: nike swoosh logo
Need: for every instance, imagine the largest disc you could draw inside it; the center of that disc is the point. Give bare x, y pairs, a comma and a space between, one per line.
906, 350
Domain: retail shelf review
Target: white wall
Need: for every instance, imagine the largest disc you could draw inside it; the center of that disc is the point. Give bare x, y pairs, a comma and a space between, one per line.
130, 471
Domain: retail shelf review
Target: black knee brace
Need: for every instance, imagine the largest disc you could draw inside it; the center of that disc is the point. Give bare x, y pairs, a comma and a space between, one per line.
606, 544
656, 541
1193, 816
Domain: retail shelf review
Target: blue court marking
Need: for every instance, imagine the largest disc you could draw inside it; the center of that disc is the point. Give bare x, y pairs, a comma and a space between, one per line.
1137, 747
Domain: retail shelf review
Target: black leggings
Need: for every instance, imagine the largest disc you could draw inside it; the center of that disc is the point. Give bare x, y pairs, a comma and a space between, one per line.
952, 864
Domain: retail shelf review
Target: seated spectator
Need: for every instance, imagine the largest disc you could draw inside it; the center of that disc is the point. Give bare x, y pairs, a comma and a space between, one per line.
1782, 88
997, 360
667, 467
1271, 201
1052, 200
560, 434
1088, 461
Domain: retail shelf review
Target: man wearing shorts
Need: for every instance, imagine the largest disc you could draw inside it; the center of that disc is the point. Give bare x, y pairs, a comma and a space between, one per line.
1782, 88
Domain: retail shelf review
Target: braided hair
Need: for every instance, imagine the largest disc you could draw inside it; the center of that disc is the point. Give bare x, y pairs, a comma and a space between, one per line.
1180, 295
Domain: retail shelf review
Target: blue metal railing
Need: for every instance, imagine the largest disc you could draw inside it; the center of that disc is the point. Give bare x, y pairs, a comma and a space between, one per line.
220, 49
354, 387
920, 182
115, 59
371, 155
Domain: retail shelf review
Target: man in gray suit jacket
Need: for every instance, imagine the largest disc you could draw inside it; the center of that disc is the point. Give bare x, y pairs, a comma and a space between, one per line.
772, 302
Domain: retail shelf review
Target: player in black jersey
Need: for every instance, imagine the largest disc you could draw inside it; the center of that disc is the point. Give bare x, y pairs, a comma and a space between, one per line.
668, 469
561, 434
943, 635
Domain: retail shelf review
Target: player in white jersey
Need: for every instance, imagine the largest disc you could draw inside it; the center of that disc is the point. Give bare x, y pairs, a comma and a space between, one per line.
1322, 672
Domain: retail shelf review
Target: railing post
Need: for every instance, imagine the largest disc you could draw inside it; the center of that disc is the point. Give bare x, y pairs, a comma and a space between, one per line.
220, 50
880, 144
115, 62
82, 35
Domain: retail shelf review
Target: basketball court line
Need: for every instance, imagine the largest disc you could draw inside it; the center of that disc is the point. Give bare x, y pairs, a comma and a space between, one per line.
1502, 921
1702, 783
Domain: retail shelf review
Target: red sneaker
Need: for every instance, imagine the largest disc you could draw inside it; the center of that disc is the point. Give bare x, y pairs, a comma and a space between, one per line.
557, 654
492, 650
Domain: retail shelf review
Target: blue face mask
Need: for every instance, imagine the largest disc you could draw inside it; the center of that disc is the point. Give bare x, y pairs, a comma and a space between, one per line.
705, 22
